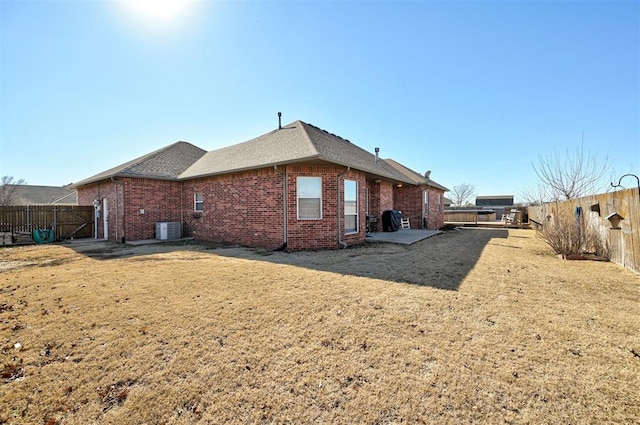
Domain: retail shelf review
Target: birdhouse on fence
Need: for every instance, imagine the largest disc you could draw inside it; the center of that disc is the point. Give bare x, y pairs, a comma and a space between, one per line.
614, 219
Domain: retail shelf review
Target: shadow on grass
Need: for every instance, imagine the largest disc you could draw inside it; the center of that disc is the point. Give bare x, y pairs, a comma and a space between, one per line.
442, 261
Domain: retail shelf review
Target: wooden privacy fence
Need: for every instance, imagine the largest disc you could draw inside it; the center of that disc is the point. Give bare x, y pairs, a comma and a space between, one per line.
468, 216
70, 221
622, 238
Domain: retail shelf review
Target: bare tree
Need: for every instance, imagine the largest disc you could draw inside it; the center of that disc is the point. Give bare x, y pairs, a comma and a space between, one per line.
462, 194
532, 195
8, 188
570, 176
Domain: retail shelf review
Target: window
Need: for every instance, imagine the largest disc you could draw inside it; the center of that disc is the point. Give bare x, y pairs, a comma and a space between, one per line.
426, 201
309, 191
198, 202
350, 206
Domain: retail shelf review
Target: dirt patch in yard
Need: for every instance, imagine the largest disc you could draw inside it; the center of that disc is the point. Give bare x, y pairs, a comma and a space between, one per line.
472, 326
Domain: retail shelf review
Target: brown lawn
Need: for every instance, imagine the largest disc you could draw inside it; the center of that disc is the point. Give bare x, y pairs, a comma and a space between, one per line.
472, 326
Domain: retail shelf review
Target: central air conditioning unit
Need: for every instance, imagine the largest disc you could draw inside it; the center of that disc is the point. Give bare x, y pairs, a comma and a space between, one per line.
168, 230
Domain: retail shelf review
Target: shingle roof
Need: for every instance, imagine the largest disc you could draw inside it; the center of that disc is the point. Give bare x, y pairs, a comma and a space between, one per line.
44, 195
166, 163
416, 178
294, 143
298, 142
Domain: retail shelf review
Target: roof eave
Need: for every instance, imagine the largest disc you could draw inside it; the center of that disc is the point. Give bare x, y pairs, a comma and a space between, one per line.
182, 177
120, 175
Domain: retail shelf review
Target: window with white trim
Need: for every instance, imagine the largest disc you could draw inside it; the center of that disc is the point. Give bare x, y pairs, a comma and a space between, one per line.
309, 194
350, 206
198, 202
426, 202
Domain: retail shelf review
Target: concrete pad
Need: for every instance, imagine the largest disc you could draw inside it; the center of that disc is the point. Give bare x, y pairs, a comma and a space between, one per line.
154, 241
402, 236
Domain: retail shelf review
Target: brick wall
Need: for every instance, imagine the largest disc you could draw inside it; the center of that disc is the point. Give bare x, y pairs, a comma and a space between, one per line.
408, 200
113, 193
126, 197
322, 234
435, 216
380, 200
242, 208
247, 209
147, 202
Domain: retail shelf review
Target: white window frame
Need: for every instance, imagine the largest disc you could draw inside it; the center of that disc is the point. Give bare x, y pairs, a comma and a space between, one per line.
198, 201
351, 213
425, 201
305, 192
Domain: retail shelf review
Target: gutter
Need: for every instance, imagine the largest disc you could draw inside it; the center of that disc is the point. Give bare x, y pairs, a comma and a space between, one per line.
341, 243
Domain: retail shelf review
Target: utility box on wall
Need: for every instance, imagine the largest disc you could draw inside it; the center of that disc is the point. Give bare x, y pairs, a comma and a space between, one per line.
168, 230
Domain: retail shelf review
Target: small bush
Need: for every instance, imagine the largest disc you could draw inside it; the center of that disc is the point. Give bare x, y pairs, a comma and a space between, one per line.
567, 234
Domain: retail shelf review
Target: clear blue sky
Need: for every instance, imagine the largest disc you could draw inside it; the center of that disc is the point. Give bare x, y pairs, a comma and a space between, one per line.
472, 90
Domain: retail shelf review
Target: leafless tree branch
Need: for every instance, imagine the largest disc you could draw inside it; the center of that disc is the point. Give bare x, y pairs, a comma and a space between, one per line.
8, 188
462, 193
570, 176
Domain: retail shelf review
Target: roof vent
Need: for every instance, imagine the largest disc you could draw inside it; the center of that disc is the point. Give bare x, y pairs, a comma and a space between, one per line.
279, 120
377, 153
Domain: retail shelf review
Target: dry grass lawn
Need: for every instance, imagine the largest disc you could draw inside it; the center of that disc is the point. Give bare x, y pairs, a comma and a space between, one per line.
472, 326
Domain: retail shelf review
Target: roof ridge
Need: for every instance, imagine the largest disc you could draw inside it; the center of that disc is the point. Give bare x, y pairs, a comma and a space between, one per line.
306, 134
342, 138
151, 155
326, 132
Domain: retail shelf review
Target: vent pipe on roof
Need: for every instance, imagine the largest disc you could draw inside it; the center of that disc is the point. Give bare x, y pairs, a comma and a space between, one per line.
279, 120
377, 157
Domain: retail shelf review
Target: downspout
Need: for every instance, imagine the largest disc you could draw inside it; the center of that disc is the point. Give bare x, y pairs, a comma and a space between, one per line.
284, 206
425, 220
341, 243
124, 213
115, 182
115, 189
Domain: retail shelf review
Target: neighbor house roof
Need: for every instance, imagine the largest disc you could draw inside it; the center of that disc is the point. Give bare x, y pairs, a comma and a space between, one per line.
165, 164
495, 197
43, 195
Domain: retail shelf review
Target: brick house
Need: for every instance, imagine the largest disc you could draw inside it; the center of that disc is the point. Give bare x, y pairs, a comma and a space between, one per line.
298, 187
